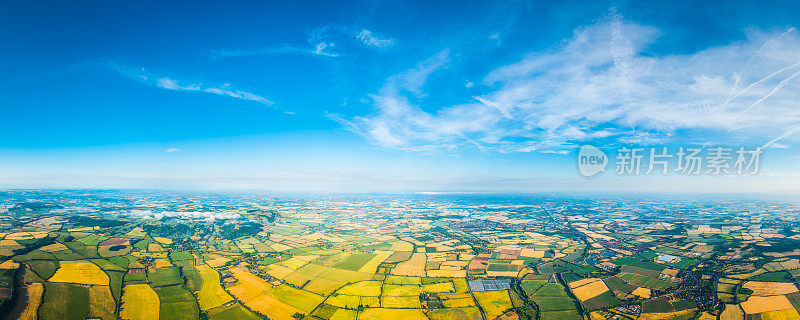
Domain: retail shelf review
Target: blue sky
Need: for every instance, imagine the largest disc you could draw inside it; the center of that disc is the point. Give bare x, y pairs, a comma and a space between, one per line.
391, 96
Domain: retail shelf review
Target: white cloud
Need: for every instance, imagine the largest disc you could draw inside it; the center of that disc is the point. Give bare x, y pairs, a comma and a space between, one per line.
171, 84
319, 44
171, 150
320, 49
185, 215
372, 40
601, 83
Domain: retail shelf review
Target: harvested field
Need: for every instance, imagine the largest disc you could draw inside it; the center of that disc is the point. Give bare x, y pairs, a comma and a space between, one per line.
415, 266
770, 288
757, 304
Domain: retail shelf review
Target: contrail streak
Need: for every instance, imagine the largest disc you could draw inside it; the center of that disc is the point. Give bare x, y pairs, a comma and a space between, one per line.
784, 135
774, 90
767, 77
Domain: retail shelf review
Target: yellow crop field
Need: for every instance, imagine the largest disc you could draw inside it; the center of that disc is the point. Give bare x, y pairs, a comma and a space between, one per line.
293, 263
684, 314
413, 267
363, 288
307, 257
439, 287
280, 247
218, 262
400, 302
642, 292
448, 273
494, 303
79, 272
155, 247
460, 285
275, 309
35, 291
53, 247
756, 304
402, 246
532, 253
344, 314
581, 282
372, 265
9, 264
394, 290
467, 313
81, 229
344, 301
457, 300
26, 235
391, 314
279, 271
101, 302
249, 286
139, 302
789, 314
163, 240
770, 288
162, 263
590, 290
296, 298
731, 312
211, 294
502, 273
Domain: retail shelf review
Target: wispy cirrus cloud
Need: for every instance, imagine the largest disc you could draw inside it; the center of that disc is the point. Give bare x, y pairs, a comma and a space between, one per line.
317, 49
322, 41
318, 44
168, 83
600, 84
368, 38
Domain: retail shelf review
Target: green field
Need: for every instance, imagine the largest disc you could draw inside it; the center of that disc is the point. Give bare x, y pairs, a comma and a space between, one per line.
547, 303
781, 276
177, 303
107, 265
463, 313
354, 261
92, 240
602, 301
552, 298
115, 280
662, 305
64, 302
617, 285
135, 275
82, 249
531, 286
561, 315
164, 277
180, 256
644, 281
297, 298
234, 312
551, 290
631, 261
43, 268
